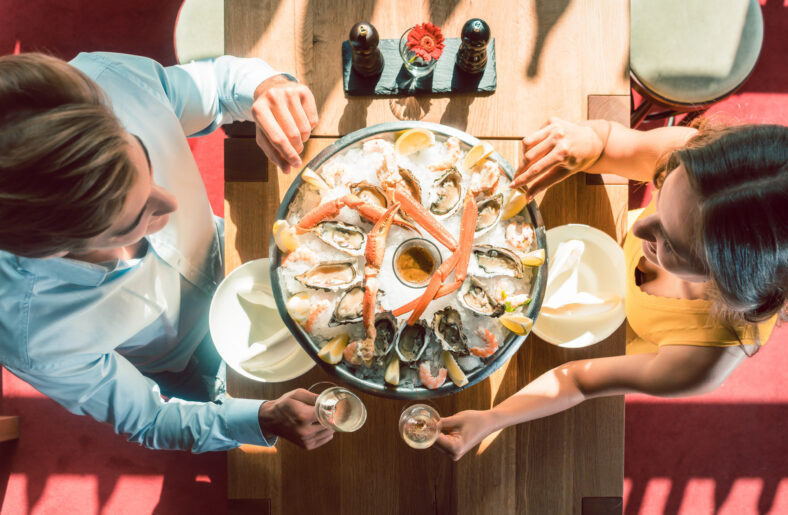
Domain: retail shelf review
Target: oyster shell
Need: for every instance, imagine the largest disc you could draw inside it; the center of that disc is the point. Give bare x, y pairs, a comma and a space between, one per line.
490, 211
411, 182
474, 296
497, 261
331, 276
349, 309
369, 193
412, 340
347, 238
447, 326
385, 333
446, 194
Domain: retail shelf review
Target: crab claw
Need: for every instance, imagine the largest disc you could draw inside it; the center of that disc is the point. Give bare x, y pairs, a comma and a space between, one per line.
424, 218
374, 213
374, 252
467, 229
328, 209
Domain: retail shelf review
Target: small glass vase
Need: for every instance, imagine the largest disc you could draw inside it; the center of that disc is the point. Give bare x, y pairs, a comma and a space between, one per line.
416, 66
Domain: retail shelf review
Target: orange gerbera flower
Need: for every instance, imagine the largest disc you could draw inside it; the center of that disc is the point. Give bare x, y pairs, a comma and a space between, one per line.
426, 41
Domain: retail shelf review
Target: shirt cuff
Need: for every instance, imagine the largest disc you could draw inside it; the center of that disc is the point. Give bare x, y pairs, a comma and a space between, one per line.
252, 77
243, 423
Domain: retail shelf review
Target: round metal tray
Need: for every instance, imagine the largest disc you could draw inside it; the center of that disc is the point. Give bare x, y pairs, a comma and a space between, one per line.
341, 371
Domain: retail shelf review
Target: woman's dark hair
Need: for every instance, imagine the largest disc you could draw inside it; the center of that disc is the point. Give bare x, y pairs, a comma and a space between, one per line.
741, 176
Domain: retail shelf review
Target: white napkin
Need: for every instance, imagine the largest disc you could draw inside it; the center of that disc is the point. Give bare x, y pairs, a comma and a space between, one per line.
562, 295
261, 355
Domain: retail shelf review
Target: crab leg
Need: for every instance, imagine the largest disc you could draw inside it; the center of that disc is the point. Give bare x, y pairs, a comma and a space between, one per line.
467, 230
424, 218
374, 252
331, 208
458, 261
375, 213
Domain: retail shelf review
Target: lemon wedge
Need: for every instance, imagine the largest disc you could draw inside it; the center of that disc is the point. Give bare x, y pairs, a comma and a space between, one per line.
455, 372
285, 236
311, 177
514, 203
518, 324
413, 140
533, 258
332, 351
476, 155
392, 371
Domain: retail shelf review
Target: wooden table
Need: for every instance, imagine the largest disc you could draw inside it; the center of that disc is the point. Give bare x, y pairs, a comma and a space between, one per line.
554, 58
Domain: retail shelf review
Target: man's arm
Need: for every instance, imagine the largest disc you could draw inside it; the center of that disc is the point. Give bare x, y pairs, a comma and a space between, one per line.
110, 389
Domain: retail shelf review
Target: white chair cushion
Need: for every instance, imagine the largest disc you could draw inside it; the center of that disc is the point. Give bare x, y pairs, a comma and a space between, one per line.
694, 51
199, 30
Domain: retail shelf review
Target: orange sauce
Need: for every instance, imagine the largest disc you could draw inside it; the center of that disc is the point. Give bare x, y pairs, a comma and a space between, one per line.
415, 265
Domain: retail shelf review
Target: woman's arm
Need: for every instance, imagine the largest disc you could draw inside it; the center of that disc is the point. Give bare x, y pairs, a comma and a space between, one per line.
560, 149
677, 370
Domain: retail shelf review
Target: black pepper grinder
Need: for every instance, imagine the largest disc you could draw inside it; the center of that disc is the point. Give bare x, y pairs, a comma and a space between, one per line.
367, 59
472, 55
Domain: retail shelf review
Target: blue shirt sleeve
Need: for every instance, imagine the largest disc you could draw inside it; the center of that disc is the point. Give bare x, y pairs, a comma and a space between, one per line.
110, 389
203, 94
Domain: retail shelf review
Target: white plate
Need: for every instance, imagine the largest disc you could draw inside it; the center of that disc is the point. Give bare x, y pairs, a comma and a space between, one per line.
236, 324
602, 270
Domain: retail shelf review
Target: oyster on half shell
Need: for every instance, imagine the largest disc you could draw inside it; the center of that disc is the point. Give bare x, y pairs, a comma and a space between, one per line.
490, 210
331, 276
369, 193
474, 296
385, 333
446, 194
495, 261
447, 326
349, 309
412, 340
347, 238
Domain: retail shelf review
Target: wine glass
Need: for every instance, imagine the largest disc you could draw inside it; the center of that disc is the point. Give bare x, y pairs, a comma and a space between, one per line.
419, 425
338, 408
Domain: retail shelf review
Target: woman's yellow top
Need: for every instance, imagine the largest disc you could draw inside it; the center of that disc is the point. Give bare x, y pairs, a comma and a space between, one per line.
659, 321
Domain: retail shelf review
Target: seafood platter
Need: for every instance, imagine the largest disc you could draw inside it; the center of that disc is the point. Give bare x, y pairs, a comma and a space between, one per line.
404, 264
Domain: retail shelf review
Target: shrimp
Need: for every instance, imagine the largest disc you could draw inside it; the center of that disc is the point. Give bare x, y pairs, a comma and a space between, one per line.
450, 158
333, 174
490, 344
428, 380
386, 161
352, 353
301, 254
520, 235
484, 177
315, 313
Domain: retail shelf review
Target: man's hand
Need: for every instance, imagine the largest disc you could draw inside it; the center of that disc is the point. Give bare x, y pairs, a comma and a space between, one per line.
285, 114
292, 416
462, 432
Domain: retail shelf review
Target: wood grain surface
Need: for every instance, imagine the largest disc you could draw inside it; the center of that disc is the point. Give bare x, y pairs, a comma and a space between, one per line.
551, 55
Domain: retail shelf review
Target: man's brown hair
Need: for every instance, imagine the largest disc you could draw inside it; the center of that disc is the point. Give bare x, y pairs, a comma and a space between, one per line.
64, 164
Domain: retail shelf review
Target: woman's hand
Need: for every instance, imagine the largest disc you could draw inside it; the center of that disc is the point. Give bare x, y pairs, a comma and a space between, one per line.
285, 114
558, 150
292, 416
463, 431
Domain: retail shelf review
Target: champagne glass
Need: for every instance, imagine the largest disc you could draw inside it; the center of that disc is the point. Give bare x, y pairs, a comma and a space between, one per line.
419, 425
338, 408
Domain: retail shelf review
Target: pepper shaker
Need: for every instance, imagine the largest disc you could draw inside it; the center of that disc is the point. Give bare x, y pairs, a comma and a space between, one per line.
472, 55
367, 60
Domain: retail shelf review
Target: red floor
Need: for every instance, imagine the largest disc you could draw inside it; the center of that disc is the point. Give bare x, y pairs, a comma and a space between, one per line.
721, 453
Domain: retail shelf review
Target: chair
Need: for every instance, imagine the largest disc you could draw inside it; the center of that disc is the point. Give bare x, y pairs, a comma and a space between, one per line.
199, 30
9, 425
687, 55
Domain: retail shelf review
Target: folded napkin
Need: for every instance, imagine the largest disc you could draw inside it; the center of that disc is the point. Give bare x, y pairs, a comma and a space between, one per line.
562, 295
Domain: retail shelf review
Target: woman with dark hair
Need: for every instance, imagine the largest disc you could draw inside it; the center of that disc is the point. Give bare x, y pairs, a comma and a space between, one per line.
707, 262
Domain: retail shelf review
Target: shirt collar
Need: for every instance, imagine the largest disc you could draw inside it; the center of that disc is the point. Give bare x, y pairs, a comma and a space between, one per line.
67, 270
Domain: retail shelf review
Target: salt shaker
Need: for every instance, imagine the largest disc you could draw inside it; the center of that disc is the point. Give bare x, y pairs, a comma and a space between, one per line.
472, 55
367, 59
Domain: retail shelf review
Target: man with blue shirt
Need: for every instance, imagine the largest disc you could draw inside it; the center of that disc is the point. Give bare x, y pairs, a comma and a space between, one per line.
109, 252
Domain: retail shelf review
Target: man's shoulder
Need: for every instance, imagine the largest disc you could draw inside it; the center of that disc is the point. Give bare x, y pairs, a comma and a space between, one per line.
123, 73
